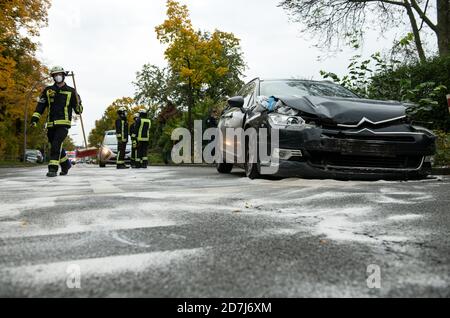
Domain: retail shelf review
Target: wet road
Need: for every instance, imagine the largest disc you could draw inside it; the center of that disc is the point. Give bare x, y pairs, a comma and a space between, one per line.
189, 232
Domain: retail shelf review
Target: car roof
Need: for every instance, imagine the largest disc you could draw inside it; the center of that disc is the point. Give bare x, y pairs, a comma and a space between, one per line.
291, 79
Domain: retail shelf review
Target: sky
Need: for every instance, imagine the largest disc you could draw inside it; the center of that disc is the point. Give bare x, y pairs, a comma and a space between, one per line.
105, 42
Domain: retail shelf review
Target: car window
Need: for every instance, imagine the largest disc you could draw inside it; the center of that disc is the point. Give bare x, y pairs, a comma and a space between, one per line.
303, 88
110, 140
248, 93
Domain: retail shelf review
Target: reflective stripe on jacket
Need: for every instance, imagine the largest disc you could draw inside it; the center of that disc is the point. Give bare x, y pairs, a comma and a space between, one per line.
61, 103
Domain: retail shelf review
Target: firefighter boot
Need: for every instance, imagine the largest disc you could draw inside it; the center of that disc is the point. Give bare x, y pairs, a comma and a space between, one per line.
122, 166
52, 171
65, 167
144, 164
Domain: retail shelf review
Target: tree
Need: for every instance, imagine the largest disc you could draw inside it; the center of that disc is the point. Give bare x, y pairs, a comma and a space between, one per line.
339, 19
20, 70
107, 122
203, 63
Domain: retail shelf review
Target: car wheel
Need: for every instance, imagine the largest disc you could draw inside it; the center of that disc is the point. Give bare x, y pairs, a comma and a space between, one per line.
252, 164
102, 165
222, 166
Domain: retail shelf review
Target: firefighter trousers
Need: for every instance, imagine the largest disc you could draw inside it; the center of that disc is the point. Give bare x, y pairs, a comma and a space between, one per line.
142, 153
56, 136
121, 148
133, 152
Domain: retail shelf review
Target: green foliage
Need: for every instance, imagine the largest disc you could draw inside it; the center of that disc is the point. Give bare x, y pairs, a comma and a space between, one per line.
442, 157
421, 86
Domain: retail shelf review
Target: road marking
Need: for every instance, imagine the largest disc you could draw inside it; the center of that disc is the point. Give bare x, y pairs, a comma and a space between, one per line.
104, 187
36, 275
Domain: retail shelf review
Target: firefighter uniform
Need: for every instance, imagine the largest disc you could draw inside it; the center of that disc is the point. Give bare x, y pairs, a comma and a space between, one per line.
122, 138
142, 135
133, 142
61, 101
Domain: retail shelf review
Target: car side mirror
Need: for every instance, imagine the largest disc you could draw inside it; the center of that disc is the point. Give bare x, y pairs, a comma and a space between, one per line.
236, 102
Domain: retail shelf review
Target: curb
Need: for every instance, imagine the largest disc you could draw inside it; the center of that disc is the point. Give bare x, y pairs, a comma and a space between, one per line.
441, 171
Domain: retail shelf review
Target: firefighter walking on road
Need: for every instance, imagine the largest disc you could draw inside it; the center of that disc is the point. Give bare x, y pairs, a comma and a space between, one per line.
61, 101
133, 141
122, 137
142, 135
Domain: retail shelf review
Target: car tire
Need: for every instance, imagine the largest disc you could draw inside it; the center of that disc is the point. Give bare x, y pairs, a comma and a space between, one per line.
102, 165
252, 165
224, 167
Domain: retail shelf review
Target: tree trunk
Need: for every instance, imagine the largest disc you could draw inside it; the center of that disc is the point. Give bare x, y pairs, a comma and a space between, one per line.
416, 31
443, 26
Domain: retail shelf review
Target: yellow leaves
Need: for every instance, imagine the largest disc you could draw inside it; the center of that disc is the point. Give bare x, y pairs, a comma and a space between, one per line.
221, 71
186, 72
177, 22
29, 15
198, 57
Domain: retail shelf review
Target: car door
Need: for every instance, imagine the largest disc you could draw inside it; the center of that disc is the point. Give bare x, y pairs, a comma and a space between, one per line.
233, 118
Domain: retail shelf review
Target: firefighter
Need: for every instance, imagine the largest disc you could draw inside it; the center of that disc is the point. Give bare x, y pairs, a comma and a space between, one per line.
133, 141
61, 101
142, 135
122, 137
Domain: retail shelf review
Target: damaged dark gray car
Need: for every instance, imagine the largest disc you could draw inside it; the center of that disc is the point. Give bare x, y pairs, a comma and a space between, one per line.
326, 131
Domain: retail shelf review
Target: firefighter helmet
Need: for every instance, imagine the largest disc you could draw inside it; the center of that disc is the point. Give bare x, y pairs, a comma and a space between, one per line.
121, 110
56, 70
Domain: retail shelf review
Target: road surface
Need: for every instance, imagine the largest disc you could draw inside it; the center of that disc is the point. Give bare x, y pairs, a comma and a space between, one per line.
190, 232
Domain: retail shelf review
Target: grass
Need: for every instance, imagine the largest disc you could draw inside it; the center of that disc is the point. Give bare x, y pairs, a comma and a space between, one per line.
155, 158
15, 164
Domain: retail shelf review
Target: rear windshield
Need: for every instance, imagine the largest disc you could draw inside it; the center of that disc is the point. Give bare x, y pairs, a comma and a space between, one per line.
111, 140
303, 88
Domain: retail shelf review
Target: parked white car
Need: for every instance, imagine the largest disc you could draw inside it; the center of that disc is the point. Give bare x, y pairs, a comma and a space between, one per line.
108, 150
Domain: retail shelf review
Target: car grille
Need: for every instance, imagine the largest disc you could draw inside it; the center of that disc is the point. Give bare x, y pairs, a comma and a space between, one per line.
333, 159
385, 138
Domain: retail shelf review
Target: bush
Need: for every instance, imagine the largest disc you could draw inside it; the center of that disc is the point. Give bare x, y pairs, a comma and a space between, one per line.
442, 157
423, 85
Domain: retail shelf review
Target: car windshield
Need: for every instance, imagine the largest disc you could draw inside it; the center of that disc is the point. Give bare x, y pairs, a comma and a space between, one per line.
303, 88
111, 140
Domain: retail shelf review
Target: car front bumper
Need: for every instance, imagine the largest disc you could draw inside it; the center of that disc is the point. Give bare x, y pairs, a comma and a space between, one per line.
385, 153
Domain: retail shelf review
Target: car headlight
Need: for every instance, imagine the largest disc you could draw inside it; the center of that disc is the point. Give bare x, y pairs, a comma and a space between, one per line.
286, 120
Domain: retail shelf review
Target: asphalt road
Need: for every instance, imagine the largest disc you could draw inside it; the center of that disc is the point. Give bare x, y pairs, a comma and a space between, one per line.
190, 232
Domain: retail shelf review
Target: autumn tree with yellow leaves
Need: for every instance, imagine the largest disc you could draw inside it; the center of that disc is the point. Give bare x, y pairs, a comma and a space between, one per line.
202, 68
206, 65
21, 73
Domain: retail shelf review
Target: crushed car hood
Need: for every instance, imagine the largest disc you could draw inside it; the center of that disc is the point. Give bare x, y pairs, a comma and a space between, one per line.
348, 111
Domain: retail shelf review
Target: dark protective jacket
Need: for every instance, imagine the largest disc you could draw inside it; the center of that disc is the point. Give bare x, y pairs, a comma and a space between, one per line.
142, 129
61, 102
122, 129
133, 132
